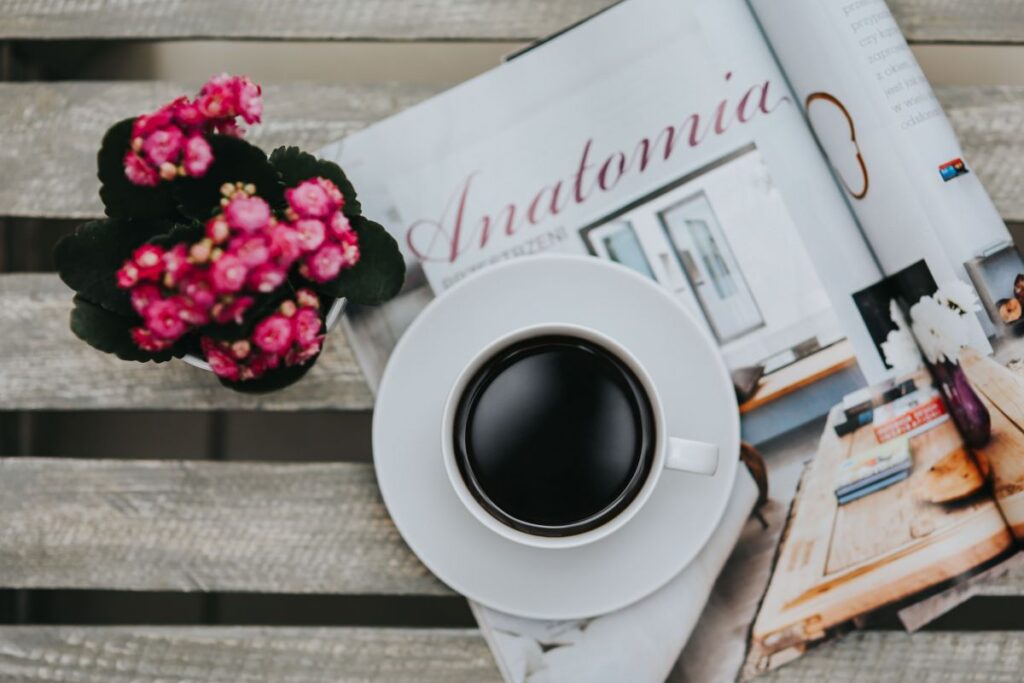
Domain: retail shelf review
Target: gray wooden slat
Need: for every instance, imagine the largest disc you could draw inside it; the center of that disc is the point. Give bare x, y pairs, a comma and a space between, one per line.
49, 133
895, 657
955, 21
305, 20
243, 655
993, 21
44, 366
201, 526
990, 123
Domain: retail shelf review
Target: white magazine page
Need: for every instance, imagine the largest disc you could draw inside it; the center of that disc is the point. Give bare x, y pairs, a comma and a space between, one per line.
659, 134
884, 131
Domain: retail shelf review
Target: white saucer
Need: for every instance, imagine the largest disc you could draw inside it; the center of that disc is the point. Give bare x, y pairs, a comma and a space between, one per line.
524, 581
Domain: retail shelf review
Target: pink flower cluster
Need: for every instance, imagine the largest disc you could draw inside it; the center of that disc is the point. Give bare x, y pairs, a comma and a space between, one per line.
246, 251
292, 335
171, 141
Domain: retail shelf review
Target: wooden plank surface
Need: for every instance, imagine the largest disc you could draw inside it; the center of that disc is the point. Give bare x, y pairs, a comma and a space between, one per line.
243, 655
515, 20
928, 21
44, 366
800, 374
201, 526
894, 657
49, 133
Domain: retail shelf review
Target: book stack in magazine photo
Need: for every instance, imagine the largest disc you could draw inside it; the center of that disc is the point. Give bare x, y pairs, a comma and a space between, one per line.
873, 470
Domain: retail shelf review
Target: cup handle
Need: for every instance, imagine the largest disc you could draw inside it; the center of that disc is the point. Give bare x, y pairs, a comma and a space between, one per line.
696, 457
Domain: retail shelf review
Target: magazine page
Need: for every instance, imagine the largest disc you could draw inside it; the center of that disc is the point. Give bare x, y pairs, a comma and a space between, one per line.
907, 492
890, 145
925, 215
673, 147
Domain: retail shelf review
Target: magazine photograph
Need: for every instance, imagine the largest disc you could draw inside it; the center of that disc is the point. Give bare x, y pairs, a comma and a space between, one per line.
512, 341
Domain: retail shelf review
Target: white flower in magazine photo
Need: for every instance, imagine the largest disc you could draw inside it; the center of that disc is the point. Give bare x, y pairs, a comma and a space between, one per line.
958, 296
940, 330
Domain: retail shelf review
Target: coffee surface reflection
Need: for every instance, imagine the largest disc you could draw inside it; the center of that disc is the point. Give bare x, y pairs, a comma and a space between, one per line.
554, 435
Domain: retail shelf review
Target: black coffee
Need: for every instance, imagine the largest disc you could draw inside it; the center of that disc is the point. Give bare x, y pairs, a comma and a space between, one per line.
554, 435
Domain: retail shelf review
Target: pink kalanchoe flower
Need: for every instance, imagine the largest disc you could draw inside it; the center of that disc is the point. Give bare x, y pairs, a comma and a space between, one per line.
339, 224
164, 145
333, 193
138, 172
252, 251
197, 288
222, 364
304, 354
143, 295
250, 100
247, 213
273, 334
186, 113
148, 123
228, 274
229, 128
267, 278
218, 98
232, 311
217, 229
192, 313
350, 247
149, 259
176, 264
324, 264
285, 244
198, 156
307, 298
127, 276
163, 319
309, 199
145, 340
307, 326
311, 233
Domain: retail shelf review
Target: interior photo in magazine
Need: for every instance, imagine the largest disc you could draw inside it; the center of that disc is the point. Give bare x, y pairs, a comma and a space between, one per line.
783, 169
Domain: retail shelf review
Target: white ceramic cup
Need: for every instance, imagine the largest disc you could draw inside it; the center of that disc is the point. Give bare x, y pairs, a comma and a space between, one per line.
670, 452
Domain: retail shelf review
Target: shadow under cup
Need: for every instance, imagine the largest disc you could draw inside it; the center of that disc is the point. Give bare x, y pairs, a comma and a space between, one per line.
554, 435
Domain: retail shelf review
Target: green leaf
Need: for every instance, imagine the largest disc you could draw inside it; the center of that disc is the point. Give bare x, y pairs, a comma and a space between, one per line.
189, 233
294, 166
88, 259
272, 380
234, 160
111, 333
121, 198
380, 272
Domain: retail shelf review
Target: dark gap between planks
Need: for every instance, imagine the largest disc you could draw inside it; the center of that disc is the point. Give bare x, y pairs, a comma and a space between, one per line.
107, 608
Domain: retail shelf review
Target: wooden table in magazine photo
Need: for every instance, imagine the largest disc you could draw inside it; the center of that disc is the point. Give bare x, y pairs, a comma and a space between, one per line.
838, 563
167, 519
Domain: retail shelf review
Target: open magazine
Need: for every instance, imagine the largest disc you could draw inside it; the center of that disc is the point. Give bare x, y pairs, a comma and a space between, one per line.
784, 169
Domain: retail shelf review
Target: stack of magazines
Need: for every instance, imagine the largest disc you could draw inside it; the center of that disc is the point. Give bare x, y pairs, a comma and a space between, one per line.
873, 470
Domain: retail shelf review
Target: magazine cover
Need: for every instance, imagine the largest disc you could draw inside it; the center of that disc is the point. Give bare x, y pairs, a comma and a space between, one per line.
784, 169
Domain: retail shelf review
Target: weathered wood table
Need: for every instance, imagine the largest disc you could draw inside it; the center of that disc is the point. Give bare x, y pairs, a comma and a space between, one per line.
300, 528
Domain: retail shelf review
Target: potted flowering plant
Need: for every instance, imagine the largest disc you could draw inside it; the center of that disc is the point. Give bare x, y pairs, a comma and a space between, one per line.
214, 252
